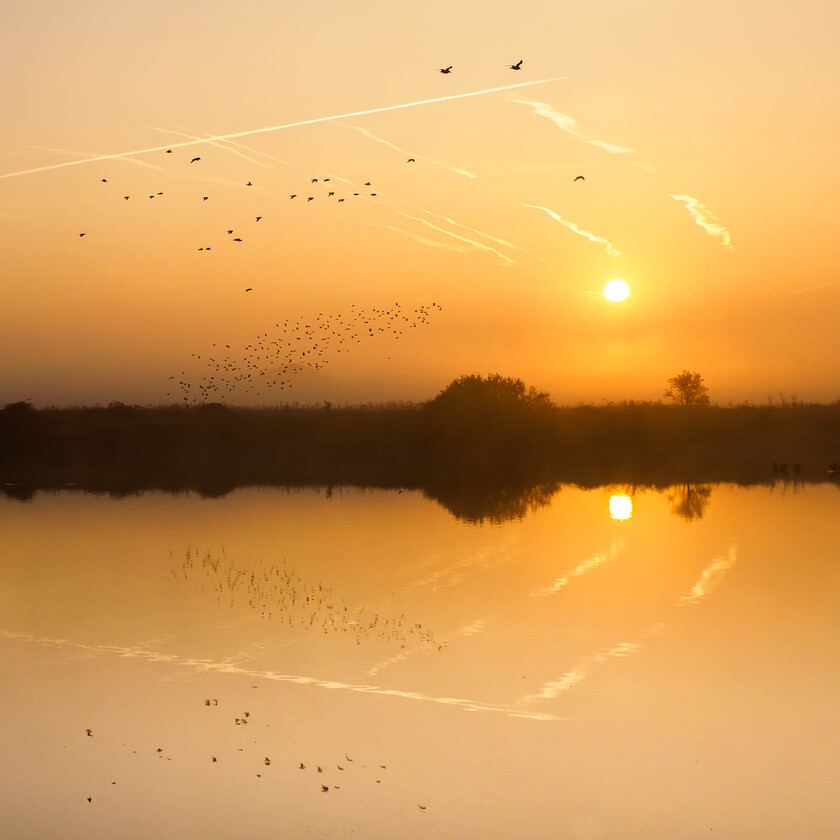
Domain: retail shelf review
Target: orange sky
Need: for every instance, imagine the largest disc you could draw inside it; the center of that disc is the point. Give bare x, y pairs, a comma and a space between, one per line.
707, 135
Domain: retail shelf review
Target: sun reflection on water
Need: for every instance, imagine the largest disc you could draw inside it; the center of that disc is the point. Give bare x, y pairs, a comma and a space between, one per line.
621, 507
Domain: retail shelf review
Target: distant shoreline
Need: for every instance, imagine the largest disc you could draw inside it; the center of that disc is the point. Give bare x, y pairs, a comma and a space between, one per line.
214, 449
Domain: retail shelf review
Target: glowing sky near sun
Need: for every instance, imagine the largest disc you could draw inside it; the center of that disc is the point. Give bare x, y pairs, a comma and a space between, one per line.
688, 150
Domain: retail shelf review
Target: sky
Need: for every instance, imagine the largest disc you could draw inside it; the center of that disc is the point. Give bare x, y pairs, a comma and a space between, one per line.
706, 135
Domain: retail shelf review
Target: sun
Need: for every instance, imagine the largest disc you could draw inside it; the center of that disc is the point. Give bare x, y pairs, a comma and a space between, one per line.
616, 291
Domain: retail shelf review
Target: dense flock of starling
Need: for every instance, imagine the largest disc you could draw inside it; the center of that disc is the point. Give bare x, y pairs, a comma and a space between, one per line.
280, 594
274, 358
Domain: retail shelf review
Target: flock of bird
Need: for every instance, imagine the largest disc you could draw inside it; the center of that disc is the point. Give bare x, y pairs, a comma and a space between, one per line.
326, 773
274, 358
280, 594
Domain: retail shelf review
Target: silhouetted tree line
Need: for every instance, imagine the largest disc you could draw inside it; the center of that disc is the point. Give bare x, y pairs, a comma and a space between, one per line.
483, 443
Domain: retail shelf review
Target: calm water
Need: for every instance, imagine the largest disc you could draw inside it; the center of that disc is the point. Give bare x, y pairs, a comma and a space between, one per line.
567, 675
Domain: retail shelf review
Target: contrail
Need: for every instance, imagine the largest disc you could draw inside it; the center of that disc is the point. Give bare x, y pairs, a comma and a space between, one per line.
705, 218
610, 248
480, 245
142, 163
195, 136
569, 125
371, 136
474, 230
229, 666
284, 126
423, 240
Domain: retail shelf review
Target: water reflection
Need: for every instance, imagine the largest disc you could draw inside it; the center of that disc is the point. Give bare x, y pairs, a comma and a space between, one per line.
689, 501
222, 651
620, 507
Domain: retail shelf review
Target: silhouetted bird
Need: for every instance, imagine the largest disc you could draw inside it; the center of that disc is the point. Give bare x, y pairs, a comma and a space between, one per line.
340, 200
237, 239
259, 217
89, 733
311, 198
249, 184
249, 290
517, 66
313, 181
410, 160
169, 151
446, 69
580, 178
126, 197
294, 195
205, 197
104, 180
230, 231
81, 234
330, 193
195, 159
324, 788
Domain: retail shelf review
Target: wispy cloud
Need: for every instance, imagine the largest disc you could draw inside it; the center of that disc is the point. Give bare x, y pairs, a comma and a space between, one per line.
569, 125
608, 246
480, 245
580, 672
233, 666
467, 630
485, 557
705, 218
284, 126
710, 578
371, 136
589, 564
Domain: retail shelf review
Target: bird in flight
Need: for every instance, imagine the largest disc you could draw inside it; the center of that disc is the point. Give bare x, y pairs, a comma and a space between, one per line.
330, 193
517, 66
195, 159
81, 234
311, 198
293, 196
580, 178
104, 180
249, 184
126, 197
237, 239
410, 160
340, 200
205, 197
313, 180
446, 70
251, 290
259, 217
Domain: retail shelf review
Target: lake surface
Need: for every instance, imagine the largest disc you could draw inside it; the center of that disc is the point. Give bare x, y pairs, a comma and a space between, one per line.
564, 675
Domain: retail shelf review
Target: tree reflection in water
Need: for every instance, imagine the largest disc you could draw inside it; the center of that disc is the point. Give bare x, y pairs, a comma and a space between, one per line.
689, 501
491, 503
